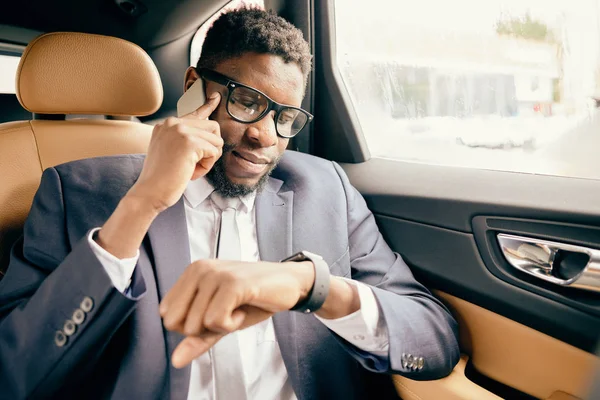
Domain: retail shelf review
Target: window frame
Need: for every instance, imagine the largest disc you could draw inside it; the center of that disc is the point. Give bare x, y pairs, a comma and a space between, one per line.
343, 122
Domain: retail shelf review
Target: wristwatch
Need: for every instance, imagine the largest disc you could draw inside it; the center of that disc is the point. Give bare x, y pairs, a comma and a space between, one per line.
318, 293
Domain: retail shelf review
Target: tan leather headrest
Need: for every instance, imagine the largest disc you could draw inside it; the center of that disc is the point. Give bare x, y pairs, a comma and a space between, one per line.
80, 73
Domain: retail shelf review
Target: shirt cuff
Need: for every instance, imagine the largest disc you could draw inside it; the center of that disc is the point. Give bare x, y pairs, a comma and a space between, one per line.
119, 270
366, 328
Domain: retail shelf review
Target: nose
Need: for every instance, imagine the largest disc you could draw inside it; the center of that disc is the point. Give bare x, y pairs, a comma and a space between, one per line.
263, 132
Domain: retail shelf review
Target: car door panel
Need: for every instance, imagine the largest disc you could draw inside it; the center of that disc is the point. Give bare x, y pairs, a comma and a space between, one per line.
448, 259
518, 356
529, 335
450, 197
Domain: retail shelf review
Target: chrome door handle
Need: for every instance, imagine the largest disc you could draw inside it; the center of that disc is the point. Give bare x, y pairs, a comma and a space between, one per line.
562, 264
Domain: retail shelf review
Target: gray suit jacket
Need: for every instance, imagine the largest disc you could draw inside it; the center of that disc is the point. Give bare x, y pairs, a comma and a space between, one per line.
120, 350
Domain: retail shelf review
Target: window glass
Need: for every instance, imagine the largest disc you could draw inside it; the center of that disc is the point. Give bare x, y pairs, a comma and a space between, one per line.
8, 73
496, 84
201, 34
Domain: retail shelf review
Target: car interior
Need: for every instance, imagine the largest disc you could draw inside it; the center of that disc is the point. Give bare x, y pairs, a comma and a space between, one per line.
94, 76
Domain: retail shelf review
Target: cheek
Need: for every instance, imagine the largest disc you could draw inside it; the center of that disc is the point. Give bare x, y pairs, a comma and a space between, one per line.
232, 131
282, 145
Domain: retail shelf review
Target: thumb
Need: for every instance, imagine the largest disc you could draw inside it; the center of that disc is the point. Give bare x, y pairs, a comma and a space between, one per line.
193, 347
204, 111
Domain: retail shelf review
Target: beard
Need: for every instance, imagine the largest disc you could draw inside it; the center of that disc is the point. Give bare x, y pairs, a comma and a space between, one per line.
217, 176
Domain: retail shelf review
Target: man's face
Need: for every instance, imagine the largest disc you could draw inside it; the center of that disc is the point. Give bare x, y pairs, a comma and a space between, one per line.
252, 151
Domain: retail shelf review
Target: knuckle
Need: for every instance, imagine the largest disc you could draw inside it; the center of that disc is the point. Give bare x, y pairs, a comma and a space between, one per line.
170, 324
179, 128
228, 277
186, 139
157, 128
193, 272
214, 125
198, 266
187, 331
253, 292
217, 324
171, 121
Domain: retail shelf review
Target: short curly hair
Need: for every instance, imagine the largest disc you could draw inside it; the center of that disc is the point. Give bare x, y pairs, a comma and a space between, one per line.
253, 30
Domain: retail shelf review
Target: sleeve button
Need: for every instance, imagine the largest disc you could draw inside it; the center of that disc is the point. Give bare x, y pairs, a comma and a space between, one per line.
69, 328
78, 316
87, 304
60, 339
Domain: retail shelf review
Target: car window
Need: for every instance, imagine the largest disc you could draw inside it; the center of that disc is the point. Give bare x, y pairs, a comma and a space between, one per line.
198, 39
8, 72
10, 109
500, 84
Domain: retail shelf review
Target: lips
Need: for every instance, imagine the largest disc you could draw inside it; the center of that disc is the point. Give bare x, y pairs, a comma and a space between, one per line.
246, 165
251, 157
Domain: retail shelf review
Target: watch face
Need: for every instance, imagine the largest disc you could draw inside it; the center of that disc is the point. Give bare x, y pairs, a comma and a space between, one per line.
302, 256
296, 257
308, 255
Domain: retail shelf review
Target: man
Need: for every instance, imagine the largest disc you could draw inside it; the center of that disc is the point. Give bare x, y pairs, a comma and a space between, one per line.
194, 232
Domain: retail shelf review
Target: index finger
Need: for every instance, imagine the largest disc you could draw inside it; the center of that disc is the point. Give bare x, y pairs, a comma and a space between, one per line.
204, 111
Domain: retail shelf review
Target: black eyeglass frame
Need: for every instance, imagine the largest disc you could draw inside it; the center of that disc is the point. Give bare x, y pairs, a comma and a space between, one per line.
230, 84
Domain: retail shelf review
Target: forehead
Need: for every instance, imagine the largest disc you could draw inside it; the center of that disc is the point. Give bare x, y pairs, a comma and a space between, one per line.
281, 81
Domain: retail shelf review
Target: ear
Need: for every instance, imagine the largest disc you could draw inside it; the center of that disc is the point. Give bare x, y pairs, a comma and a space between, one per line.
191, 75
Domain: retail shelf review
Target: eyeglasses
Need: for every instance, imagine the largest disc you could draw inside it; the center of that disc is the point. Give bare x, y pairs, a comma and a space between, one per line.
248, 105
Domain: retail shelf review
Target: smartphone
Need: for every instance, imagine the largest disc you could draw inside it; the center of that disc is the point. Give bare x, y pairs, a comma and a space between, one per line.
192, 99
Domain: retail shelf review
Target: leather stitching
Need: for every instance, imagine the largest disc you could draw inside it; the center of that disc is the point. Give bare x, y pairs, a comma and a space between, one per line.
37, 147
20, 128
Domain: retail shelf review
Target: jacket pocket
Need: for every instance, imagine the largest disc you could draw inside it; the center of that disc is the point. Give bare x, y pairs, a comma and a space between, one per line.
341, 266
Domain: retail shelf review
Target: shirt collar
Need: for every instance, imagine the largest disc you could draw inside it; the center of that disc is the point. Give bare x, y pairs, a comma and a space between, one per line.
199, 190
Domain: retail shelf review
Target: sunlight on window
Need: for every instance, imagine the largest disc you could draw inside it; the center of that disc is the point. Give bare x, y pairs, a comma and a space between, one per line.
499, 84
8, 73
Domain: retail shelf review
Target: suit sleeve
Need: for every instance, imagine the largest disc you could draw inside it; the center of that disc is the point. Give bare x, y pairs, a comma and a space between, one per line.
58, 306
418, 324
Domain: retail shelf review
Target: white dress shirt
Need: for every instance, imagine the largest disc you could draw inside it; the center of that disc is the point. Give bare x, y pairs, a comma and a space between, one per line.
265, 375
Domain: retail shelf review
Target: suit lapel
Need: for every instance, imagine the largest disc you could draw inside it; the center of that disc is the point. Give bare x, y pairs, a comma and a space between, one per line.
274, 222
274, 232
169, 240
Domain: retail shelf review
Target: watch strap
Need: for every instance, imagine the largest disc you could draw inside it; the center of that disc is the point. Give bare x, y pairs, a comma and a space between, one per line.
318, 293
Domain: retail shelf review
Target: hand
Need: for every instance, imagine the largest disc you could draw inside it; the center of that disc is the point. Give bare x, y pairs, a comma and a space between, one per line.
181, 149
215, 297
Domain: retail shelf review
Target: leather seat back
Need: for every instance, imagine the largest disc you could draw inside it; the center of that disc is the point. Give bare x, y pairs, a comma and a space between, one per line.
71, 73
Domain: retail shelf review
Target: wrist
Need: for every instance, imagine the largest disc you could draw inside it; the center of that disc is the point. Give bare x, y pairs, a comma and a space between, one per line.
319, 282
139, 199
144, 206
304, 272
343, 300
123, 232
